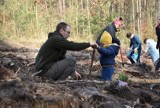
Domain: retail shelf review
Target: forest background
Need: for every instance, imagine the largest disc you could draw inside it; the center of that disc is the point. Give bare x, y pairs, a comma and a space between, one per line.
28, 22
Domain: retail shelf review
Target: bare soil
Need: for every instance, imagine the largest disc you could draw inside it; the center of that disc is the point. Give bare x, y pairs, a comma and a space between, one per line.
19, 89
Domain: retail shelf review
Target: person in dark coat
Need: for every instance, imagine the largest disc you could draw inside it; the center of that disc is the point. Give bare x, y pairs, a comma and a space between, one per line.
51, 61
108, 52
112, 29
135, 47
157, 66
158, 35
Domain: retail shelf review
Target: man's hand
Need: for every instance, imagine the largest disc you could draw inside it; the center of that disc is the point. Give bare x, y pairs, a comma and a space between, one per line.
78, 76
94, 45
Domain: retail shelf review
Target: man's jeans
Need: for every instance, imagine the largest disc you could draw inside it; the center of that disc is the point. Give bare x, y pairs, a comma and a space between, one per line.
61, 69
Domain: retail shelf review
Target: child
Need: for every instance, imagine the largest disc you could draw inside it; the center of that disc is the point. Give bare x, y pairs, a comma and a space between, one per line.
135, 47
108, 52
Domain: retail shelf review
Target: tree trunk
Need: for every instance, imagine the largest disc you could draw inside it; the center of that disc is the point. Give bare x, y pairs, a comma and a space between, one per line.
138, 16
77, 32
140, 19
158, 9
133, 16
64, 8
60, 9
111, 9
88, 20
1, 2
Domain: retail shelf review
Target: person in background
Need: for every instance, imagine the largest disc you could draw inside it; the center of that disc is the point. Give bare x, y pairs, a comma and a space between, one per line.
108, 52
158, 35
112, 29
157, 66
151, 49
135, 47
51, 61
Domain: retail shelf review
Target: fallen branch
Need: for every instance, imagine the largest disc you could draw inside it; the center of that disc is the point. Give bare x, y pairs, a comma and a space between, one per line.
15, 75
81, 81
133, 72
32, 63
127, 63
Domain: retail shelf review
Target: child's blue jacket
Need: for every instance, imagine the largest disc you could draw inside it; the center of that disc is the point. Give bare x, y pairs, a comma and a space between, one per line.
108, 55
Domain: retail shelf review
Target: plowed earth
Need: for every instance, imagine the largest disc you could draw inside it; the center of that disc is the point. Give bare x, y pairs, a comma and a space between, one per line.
19, 89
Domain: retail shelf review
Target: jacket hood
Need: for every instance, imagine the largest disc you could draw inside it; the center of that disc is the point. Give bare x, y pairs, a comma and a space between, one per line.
50, 34
53, 33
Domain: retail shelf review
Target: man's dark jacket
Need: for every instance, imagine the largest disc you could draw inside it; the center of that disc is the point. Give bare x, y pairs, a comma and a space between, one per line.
135, 43
111, 29
54, 49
